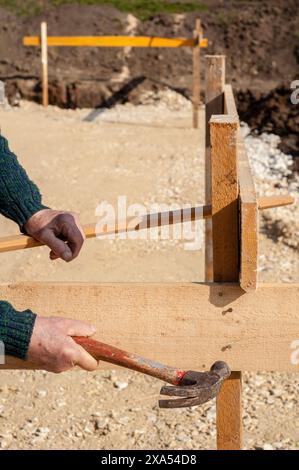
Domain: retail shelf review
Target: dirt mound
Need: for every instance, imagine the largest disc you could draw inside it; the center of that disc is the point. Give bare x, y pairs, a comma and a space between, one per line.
272, 112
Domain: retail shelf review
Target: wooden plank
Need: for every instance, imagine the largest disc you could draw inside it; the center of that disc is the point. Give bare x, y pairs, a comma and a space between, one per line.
196, 72
248, 205
229, 102
130, 224
224, 183
214, 78
44, 58
113, 41
225, 230
188, 325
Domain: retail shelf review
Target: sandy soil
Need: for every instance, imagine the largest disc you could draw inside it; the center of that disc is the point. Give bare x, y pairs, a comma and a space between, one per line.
148, 153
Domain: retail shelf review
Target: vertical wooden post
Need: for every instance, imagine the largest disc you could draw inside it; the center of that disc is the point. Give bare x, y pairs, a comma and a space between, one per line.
197, 34
224, 184
214, 85
229, 414
44, 57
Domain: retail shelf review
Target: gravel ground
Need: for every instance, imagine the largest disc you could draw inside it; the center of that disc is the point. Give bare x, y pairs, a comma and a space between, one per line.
155, 157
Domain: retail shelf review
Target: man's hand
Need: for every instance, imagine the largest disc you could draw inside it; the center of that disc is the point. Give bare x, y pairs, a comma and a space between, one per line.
52, 348
60, 231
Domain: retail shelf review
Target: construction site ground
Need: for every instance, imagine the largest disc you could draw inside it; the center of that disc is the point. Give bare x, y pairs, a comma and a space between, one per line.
148, 153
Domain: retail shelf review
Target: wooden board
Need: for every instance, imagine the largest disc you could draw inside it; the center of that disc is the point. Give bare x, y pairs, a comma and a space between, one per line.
248, 206
186, 325
113, 41
224, 184
225, 225
215, 79
230, 107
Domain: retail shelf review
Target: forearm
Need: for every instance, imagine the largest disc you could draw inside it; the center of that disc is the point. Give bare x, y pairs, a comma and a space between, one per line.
19, 197
15, 330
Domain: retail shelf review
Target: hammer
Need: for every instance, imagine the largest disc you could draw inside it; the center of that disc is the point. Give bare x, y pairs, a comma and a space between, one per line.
192, 388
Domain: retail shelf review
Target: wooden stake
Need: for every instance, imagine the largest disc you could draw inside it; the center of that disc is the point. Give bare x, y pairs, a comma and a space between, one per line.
229, 414
44, 57
215, 78
196, 72
224, 184
113, 41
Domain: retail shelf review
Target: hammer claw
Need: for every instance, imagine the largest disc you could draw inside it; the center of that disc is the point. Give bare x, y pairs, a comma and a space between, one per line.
196, 388
185, 402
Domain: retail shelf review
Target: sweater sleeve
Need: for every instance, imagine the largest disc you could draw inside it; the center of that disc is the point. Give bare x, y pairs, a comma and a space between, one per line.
19, 200
15, 330
19, 197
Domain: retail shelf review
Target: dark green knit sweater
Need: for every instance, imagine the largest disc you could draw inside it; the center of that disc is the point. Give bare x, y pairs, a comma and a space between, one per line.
19, 200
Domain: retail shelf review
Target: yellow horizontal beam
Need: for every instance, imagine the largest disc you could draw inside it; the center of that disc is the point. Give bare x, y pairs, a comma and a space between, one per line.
113, 41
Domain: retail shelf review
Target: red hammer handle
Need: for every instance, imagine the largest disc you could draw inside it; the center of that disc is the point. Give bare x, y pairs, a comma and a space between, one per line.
105, 352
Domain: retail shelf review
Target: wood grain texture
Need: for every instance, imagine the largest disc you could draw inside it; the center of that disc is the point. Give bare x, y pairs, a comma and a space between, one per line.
248, 206
214, 84
229, 414
185, 325
113, 41
224, 183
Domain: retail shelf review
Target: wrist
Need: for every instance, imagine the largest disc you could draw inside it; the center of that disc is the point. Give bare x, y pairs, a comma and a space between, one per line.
30, 211
35, 221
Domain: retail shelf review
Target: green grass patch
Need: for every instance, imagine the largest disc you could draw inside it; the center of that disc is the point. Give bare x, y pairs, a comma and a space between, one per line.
23, 7
143, 9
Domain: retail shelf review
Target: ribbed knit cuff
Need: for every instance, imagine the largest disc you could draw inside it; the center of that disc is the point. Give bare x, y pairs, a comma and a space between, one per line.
19, 196
16, 330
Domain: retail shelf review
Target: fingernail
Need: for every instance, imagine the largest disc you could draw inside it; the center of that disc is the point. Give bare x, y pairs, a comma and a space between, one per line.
93, 329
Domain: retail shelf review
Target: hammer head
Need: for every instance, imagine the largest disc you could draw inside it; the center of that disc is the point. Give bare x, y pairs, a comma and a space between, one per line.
196, 388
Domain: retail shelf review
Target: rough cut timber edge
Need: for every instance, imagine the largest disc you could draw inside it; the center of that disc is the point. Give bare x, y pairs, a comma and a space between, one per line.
248, 206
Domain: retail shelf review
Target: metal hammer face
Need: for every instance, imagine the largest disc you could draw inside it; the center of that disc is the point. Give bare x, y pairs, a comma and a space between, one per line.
196, 388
